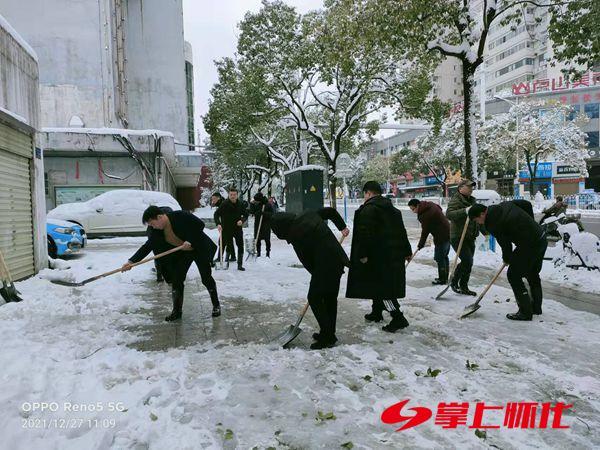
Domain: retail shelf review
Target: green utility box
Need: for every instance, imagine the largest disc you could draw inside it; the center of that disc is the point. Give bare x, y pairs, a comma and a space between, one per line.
304, 189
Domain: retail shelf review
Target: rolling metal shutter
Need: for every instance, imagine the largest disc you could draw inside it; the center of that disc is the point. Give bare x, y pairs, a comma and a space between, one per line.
16, 221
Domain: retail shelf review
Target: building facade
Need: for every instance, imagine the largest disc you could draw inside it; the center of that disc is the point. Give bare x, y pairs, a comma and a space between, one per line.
108, 63
22, 210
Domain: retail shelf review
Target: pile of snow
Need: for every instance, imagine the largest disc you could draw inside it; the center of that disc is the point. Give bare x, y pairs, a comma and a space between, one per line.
70, 345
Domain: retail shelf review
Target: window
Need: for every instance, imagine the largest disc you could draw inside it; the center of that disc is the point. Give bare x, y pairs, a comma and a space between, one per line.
593, 138
576, 109
46, 182
591, 110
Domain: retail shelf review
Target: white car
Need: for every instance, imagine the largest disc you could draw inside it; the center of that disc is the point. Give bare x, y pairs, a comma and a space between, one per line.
117, 212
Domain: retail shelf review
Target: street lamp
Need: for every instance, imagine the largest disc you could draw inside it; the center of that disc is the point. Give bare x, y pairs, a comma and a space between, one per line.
516, 136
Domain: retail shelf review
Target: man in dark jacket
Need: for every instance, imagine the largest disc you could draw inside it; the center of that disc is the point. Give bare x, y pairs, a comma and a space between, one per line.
322, 255
216, 199
510, 224
379, 249
433, 221
170, 230
260, 208
230, 218
456, 211
147, 247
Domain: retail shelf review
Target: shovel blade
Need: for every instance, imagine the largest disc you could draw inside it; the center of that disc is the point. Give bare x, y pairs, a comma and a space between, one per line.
289, 335
10, 294
470, 310
437, 297
67, 283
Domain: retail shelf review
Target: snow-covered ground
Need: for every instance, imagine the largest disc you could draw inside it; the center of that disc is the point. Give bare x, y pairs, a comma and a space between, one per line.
70, 345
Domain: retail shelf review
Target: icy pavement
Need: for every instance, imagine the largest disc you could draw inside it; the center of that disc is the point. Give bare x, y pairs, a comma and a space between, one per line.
207, 383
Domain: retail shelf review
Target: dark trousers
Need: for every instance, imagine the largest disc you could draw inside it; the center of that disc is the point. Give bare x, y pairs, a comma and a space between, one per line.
267, 239
386, 305
322, 298
440, 254
229, 236
527, 263
178, 270
463, 270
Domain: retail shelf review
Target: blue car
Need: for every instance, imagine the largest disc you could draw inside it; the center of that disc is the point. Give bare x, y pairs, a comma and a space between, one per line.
64, 238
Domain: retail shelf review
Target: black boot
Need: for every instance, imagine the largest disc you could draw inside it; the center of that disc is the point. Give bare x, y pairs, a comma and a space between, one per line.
536, 299
464, 283
454, 284
323, 342
177, 296
214, 298
398, 322
268, 253
317, 337
524, 313
159, 277
376, 312
442, 276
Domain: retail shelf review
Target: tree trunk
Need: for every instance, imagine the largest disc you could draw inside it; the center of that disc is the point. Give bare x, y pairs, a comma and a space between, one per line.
332, 193
470, 126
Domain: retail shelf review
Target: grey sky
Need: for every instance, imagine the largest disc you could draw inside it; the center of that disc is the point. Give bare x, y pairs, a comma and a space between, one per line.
211, 27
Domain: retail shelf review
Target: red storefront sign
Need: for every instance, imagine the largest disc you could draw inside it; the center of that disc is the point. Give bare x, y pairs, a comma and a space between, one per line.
557, 85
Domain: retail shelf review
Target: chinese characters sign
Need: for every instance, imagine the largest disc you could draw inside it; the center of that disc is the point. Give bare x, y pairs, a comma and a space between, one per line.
523, 415
555, 84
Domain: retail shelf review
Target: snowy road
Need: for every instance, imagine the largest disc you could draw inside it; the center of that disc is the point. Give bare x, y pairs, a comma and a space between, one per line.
226, 387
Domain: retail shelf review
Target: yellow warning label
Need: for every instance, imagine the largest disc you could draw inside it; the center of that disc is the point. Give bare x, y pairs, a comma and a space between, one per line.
313, 189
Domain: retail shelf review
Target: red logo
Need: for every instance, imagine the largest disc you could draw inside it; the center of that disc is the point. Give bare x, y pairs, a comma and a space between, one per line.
522, 415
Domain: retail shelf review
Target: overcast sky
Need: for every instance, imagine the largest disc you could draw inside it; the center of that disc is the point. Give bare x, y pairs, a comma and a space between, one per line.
211, 27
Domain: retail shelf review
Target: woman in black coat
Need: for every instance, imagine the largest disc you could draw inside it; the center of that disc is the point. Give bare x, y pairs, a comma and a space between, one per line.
380, 248
322, 255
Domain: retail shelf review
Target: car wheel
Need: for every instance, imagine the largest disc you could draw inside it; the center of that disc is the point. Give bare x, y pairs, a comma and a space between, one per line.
52, 248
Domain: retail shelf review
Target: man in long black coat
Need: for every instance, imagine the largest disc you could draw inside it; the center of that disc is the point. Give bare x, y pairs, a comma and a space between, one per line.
511, 224
322, 255
170, 230
380, 248
230, 218
261, 208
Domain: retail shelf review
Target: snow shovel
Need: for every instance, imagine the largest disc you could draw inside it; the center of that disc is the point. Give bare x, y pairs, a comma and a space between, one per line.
106, 274
253, 252
8, 291
475, 306
219, 265
454, 263
293, 331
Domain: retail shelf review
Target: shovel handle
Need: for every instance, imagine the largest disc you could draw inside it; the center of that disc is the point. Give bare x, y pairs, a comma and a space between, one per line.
411, 258
491, 283
143, 261
4, 273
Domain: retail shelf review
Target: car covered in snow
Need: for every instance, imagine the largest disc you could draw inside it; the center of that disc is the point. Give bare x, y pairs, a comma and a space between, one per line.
64, 237
114, 213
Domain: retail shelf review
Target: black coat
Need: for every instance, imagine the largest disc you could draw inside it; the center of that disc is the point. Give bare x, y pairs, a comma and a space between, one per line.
511, 224
228, 214
186, 227
380, 236
256, 209
316, 246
